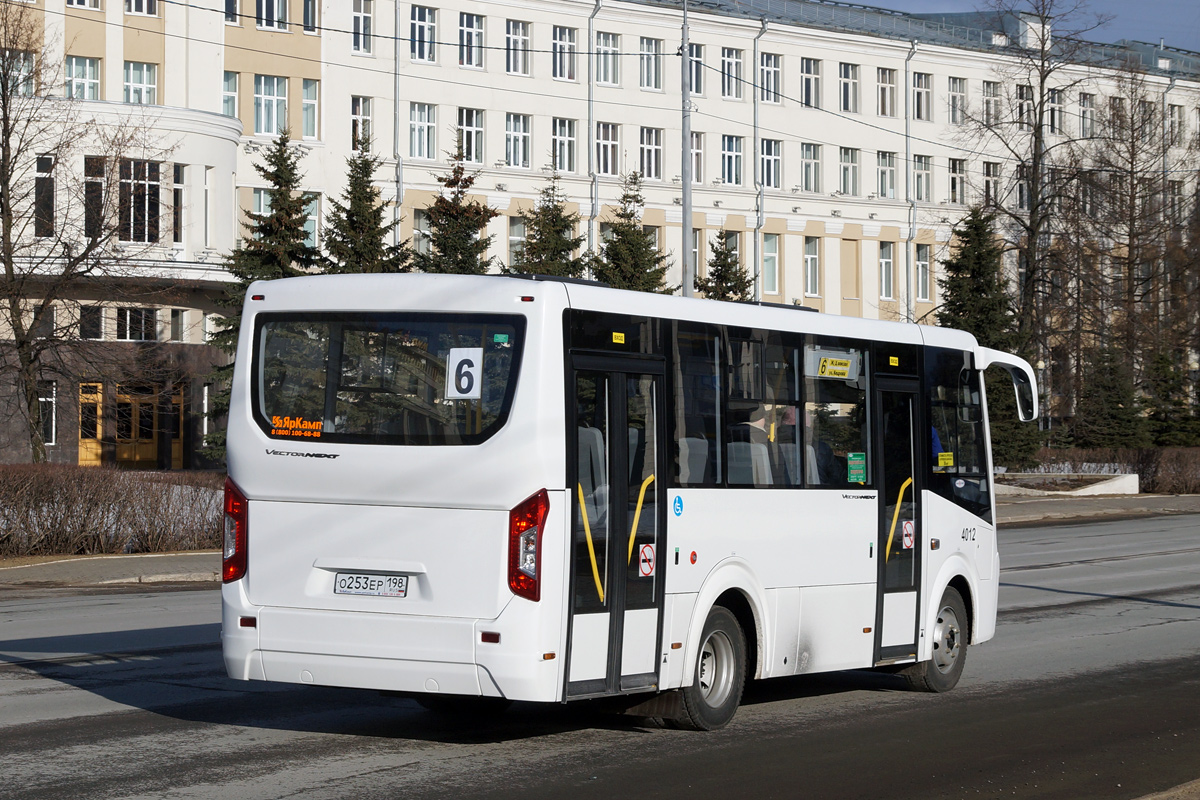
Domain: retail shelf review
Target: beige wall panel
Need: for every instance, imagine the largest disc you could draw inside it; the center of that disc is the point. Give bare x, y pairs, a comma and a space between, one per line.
851, 277
83, 35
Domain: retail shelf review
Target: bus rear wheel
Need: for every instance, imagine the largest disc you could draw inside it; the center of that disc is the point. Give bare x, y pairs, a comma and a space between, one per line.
716, 690
941, 673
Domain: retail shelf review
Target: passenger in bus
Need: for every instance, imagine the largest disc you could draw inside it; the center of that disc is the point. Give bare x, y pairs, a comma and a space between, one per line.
819, 461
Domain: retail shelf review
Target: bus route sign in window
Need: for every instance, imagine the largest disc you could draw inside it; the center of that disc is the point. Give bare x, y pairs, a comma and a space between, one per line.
400, 379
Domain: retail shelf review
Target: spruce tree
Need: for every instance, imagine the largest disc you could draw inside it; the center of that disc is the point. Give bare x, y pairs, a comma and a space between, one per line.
1168, 418
275, 246
551, 246
456, 225
1109, 414
726, 280
356, 236
630, 259
974, 299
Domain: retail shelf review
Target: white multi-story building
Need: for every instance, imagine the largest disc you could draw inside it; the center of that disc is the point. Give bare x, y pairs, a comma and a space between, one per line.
831, 140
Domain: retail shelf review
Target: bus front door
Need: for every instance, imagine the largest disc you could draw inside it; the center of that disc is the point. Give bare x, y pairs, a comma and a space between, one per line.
616, 483
900, 534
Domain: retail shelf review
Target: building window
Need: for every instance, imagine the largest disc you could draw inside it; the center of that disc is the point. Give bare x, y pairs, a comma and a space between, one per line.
83, 78
516, 239
91, 322
231, 9
886, 270
270, 104
421, 122
422, 33
360, 123
308, 108
957, 101
1055, 119
651, 153
179, 172
229, 94
312, 220
991, 103
731, 160
848, 158
310, 15
848, 87
1025, 107
922, 96
810, 167
470, 40
697, 157
138, 201
137, 325
770, 77
84, 3
731, 73
991, 182
422, 238
147, 8
887, 175
696, 67
516, 47
1087, 115
363, 11
517, 139
93, 197
923, 178
650, 64
770, 263
772, 163
607, 59
1023, 188
141, 83
1176, 125
178, 316
812, 266
44, 327
923, 282
810, 82
885, 105
958, 181
562, 143
47, 403
470, 132
564, 53
607, 152
271, 14
43, 197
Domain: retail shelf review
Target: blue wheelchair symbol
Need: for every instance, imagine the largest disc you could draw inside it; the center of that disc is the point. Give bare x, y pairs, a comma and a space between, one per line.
678, 506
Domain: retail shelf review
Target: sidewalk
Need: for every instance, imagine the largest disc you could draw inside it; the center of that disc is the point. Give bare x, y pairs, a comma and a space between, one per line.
204, 568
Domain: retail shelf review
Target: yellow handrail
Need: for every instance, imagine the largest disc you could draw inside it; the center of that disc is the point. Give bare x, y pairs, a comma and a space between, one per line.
887, 552
587, 529
637, 514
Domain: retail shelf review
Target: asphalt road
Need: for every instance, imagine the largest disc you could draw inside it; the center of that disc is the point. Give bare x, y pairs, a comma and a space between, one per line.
1090, 690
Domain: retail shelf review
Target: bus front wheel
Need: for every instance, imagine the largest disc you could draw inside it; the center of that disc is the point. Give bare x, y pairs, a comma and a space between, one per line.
716, 690
941, 673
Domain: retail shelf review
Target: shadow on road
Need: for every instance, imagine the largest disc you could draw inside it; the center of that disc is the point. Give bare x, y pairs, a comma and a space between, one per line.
172, 673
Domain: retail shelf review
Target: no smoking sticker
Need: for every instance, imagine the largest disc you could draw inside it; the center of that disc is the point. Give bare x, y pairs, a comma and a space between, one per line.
908, 536
646, 561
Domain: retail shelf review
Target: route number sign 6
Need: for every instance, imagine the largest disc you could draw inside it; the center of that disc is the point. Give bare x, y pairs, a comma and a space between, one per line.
464, 373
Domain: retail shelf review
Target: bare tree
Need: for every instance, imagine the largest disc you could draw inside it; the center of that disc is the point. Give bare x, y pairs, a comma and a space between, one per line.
78, 204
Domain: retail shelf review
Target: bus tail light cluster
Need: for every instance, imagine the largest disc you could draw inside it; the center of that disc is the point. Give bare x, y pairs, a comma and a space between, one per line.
233, 565
525, 524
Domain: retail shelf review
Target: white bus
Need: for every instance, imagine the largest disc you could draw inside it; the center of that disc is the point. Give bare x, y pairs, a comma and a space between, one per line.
546, 490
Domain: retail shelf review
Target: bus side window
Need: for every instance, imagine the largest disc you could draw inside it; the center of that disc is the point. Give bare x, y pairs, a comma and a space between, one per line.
957, 455
696, 406
836, 434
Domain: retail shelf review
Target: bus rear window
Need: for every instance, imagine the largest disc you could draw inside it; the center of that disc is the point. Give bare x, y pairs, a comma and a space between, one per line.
398, 379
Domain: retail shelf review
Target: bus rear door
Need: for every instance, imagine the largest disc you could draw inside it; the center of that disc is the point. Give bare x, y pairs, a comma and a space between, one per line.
617, 486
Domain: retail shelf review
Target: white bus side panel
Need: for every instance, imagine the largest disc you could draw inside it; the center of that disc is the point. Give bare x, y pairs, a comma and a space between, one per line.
822, 540
967, 547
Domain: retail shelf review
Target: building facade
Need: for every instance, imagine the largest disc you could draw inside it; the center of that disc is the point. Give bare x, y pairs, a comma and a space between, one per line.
834, 143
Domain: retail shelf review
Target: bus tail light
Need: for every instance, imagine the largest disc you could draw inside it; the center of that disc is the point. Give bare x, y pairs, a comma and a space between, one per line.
525, 545
233, 565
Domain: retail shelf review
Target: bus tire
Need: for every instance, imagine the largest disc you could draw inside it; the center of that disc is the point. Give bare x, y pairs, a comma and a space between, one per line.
941, 673
716, 690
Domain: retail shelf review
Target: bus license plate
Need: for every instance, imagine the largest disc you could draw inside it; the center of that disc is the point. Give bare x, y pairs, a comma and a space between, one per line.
373, 585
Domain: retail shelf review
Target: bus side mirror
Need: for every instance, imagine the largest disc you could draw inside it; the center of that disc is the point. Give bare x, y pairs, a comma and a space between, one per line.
1024, 384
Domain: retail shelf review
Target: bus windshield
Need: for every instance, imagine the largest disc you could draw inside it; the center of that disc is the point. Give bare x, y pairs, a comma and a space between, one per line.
398, 379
